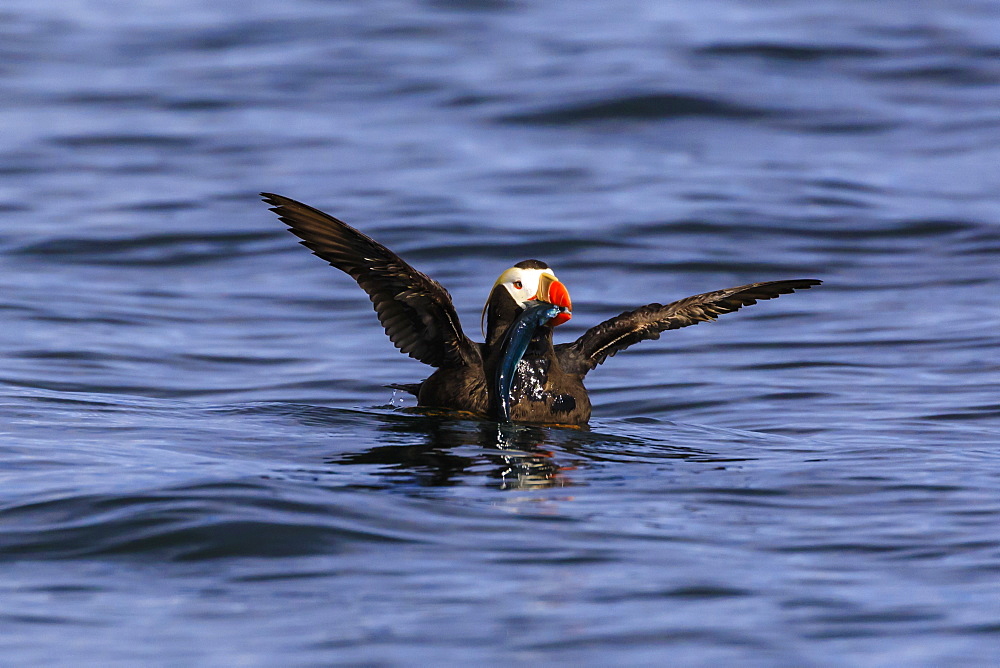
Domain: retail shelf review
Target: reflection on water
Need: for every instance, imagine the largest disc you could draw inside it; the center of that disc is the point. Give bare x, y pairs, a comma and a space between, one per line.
434, 450
526, 463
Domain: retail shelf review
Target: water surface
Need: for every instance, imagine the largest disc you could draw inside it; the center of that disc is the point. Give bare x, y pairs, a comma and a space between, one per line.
200, 462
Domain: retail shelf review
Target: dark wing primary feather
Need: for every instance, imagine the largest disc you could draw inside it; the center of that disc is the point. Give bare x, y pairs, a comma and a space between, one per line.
415, 310
620, 332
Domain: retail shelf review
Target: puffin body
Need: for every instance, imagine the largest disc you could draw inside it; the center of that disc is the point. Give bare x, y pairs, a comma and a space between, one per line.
546, 385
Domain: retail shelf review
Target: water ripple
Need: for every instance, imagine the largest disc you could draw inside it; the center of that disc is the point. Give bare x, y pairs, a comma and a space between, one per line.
652, 106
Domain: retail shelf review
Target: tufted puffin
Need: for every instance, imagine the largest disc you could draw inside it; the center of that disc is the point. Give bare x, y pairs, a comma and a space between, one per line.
547, 384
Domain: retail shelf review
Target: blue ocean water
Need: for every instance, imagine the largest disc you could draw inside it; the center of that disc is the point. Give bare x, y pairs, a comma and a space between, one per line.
200, 461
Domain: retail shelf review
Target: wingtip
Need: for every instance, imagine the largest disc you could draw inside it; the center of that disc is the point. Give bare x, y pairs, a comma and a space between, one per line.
273, 199
800, 283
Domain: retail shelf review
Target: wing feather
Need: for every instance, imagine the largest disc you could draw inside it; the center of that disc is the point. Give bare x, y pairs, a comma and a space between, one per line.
648, 322
415, 310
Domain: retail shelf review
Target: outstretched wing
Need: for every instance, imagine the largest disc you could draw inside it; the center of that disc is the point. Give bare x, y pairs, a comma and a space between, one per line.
620, 332
415, 310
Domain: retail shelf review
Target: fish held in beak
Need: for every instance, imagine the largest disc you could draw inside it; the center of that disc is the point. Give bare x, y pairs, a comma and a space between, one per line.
515, 343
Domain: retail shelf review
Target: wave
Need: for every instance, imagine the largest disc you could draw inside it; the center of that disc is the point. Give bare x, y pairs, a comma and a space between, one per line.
650, 106
230, 519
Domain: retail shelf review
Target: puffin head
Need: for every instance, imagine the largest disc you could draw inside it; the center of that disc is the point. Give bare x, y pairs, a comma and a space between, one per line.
527, 281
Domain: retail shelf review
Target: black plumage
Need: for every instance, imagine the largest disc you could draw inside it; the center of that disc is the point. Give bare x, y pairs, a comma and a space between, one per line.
420, 319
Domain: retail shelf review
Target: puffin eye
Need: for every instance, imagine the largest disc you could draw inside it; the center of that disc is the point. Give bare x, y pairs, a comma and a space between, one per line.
518, 285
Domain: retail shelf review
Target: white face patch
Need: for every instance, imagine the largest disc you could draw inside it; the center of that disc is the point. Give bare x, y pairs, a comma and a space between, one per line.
522, 284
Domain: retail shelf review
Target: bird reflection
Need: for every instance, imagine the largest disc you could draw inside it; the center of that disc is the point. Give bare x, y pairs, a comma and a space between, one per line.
435, 449
522, 461
441, 448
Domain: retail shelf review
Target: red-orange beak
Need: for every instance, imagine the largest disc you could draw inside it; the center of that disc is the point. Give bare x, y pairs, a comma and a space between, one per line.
554, 292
